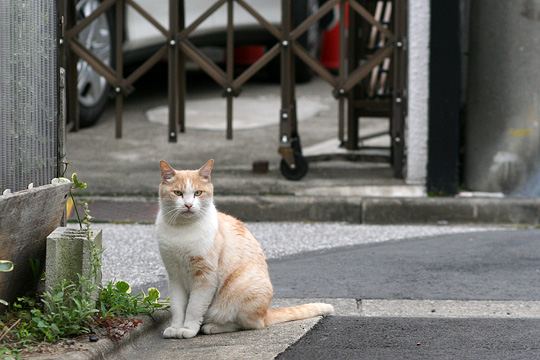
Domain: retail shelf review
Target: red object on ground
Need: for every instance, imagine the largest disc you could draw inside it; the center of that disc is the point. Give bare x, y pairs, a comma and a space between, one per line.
247, 55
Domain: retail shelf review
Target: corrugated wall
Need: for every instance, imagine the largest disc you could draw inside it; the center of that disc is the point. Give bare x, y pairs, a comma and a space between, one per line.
28, 93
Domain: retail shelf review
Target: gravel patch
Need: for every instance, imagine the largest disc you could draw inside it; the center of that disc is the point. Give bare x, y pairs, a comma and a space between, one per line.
131, 251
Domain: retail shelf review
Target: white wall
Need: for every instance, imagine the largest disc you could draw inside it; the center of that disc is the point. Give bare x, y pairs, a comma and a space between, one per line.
418, 91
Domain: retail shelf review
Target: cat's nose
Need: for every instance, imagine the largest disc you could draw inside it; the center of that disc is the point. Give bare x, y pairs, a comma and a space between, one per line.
189, 206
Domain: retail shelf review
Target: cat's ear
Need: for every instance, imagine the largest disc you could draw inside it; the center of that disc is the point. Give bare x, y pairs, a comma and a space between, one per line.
167, 172
206, 170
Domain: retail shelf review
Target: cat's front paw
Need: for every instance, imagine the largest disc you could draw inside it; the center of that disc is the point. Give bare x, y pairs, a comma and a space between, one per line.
179, 333
172, 333
188, 333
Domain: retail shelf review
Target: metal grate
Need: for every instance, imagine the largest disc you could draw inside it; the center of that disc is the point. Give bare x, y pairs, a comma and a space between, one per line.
28, 93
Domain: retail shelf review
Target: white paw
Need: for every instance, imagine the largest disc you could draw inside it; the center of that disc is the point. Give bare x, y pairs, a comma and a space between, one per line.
178, 333
188, 333
172, 333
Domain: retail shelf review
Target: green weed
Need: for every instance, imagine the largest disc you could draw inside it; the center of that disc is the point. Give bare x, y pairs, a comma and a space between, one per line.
71, 308
115, 299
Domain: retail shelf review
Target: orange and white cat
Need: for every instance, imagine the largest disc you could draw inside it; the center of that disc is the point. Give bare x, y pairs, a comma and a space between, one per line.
218, 277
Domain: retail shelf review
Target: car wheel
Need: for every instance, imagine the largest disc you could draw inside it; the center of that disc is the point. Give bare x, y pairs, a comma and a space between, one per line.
98, 38
310, 40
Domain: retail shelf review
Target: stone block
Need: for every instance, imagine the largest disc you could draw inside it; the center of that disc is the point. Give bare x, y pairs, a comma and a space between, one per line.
69, 253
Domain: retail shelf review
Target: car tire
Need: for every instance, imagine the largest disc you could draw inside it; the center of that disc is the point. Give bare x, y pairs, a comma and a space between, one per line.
98, 37
310, 40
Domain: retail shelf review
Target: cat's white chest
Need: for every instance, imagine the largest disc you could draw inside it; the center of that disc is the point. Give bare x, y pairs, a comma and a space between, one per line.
177, 244
189, 240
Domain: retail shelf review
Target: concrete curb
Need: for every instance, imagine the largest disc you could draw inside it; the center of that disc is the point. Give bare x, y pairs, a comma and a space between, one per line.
341, 209
266, 343
108, 346
451, 210
292, 208
105, 347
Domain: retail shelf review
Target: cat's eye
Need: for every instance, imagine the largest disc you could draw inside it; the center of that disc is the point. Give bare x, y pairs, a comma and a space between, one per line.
178, 193
198, 193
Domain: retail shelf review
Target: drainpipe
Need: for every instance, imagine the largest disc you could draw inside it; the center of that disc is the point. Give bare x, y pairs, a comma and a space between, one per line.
444, 98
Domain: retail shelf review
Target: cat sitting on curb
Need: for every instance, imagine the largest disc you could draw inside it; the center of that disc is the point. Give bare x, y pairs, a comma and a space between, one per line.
218, 277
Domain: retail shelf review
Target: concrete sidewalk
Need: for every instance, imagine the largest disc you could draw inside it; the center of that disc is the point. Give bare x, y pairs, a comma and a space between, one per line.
469, 295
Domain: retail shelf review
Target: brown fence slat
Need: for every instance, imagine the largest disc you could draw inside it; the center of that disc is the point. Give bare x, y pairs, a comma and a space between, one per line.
148, 17
314, 64
173, 76
230, 67
119, 69
369, 18
341, 91
104, 6
300, 29
205, 63
363, 70
265, 24
93, 61
256, 66
188, 30
149, 63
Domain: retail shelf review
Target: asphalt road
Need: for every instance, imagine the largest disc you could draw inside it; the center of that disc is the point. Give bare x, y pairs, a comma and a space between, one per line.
131, 251
401, 338
501, 265
489, 265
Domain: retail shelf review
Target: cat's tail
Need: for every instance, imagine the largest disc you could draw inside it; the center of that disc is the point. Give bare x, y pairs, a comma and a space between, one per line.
300, 312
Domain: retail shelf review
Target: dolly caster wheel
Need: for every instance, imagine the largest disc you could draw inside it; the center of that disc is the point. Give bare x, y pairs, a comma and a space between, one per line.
298, 172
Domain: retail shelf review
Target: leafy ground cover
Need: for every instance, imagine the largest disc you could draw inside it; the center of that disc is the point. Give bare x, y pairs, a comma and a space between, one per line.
62, 318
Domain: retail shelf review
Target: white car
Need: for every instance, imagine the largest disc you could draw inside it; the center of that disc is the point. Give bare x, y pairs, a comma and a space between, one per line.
141, 38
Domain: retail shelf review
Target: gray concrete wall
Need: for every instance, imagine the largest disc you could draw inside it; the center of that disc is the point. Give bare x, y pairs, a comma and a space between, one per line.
503, 110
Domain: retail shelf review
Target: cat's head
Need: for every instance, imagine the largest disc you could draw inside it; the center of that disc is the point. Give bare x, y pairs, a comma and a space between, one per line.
185, 194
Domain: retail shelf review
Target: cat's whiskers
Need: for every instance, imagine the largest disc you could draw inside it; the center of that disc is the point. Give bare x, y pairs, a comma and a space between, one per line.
170, 211
170, 215
174, 216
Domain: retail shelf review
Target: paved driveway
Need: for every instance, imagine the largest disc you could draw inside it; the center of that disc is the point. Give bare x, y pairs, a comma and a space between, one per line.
467, 294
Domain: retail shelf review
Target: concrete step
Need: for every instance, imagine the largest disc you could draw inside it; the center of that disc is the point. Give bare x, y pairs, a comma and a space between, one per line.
338, 208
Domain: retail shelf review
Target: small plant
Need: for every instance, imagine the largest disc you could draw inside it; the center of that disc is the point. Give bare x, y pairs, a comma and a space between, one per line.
115, 299
5, 266
8, 354
77, 184
62, 312
73, 308
68, 311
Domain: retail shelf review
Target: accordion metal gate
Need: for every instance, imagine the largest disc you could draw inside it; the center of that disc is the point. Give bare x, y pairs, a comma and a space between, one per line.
383, 63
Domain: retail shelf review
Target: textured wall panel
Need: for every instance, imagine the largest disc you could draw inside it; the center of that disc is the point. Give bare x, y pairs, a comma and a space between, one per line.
28, 93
